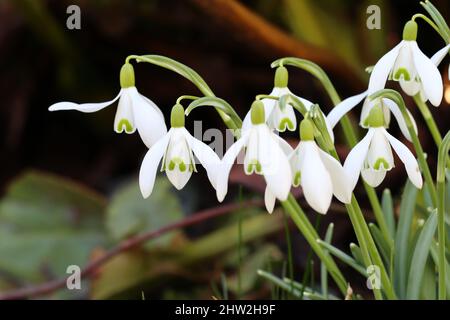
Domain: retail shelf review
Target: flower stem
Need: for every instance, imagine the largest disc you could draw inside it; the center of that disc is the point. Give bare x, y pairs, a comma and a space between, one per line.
429, 120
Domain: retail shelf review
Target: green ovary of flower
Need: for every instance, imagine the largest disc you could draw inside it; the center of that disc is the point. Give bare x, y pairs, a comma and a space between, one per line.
125, 123
297, 179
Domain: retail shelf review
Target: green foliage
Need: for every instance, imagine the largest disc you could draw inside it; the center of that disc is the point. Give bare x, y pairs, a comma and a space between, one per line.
46, 224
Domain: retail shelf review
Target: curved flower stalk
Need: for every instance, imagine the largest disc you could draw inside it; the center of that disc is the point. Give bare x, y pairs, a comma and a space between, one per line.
134, 110
319, 174
265, 154
408, 65
280, 117
387, 106
177, 149
372, 156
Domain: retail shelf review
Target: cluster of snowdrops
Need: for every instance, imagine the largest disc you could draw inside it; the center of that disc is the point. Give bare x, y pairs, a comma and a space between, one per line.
319, 174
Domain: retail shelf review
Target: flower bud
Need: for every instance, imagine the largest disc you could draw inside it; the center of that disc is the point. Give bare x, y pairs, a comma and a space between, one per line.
281, 77
127, 76
177, 116
410, 31
257, 112
306, 130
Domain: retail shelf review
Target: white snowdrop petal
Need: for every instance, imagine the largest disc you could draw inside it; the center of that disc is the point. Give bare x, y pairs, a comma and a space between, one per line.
373, 177
408, 159
149, 166
148, 121
344, 107
269, 200
226, 165
355, 159
429, 75
400, 119
315, 180
206, 156
341, 187
382, 69
83, 107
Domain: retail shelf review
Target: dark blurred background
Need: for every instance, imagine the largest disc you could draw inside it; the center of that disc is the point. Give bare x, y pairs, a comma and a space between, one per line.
230, 43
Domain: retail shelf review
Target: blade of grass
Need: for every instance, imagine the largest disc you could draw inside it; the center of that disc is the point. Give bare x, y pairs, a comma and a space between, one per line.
343, 257
388, 209
323, 267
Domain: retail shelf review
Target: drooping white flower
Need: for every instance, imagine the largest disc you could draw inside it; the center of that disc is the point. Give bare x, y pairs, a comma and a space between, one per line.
372, 156
134, 110
387, 106
275, 117
177, 149
264, 155
319, 174
407, 64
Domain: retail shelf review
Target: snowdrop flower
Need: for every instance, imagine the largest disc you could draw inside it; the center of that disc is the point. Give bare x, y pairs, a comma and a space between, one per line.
264, 155
275, 117
407, 64
133, 112
177, 149
319, 174
387, 106
372, 156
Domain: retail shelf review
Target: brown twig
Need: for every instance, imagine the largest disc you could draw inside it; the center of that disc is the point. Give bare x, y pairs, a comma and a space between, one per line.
127, 244
257, 30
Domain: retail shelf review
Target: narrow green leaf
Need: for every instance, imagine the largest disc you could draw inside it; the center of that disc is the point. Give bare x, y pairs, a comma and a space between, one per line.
323, 267
420, 257
343, 257
388, 209
402, 237
382, 245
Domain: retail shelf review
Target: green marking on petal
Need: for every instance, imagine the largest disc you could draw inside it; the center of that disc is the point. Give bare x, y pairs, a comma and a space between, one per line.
380, 164
297, 179
176, 161
286, 123
182, 167
253, 166
171, 165
127, 124
402, 72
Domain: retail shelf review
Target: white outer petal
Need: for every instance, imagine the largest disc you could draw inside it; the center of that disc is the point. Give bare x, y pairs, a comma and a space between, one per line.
354, 162
315, 181
207, 157
274, 163
339, 179
226, 164
83, 107
343, 107
373, 177
429, 76
440, 55
399, 117
148, 121
408, 159
382, 68
269, 200
150, 163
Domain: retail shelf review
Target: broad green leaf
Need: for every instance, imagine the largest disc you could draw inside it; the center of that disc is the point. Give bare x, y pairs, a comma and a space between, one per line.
402, 249
48, 223
420, 256
129, 213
